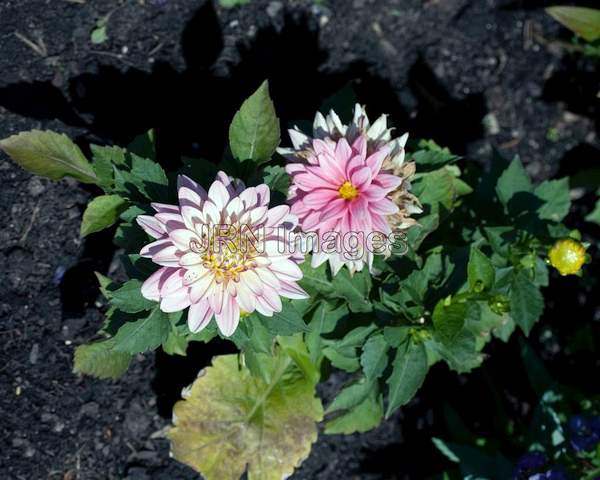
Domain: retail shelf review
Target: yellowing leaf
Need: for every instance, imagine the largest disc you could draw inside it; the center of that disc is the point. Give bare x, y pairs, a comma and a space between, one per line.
49, 154
231, 421
585, 22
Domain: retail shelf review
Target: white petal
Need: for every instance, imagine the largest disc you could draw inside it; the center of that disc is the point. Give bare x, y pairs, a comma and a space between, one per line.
229, 318
298, 138
218, 194
199, 316
200, 289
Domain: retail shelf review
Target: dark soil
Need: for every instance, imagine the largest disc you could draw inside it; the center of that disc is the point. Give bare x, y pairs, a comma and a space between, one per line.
439, 67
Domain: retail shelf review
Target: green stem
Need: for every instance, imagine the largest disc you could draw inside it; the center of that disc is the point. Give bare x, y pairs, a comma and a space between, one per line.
278, 374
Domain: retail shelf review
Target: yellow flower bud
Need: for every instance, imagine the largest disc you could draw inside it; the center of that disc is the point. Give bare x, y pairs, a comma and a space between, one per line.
567, 256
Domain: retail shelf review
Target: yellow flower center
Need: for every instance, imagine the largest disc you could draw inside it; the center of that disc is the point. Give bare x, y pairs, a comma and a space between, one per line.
233, 255
567, 256
348, 191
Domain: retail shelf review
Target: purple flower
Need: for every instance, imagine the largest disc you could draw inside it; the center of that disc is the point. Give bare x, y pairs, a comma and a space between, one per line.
529, 464
584, 432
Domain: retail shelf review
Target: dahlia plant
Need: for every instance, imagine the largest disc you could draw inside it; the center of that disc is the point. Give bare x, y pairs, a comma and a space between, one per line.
380, 258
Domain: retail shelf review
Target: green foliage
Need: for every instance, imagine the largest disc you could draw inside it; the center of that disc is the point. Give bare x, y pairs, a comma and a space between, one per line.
583, 21
233, 3
100, 360
49, 154
254, 132
241, 422
102, 212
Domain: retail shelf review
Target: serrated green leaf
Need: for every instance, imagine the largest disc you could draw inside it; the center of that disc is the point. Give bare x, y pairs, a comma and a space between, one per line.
254, 132
104, 159
462, 354
49, 154
240, 422
526, 302
395, 336
277, 178
129, 299
144, 145
323, 321
100, 360
350, 396
363, 417
355, 289
585, 22
144, 334
286, 322
102, 212
512, 181
448, 319
555, 194
481, 272
409, 371
374, 358
346, 359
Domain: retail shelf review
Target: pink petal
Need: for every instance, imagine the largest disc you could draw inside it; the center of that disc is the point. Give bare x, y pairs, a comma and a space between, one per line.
383, 207
245, 297
343, 151
320, 198
185, 181
276, 215
182, 238
229, 318
387, 181
200, 289
175, 302
375, 160
153, 248
293, 291
360, 146
219, 195
172, 283
335, 208
217, 297
151, 226
164, 208
151, 286
264, 194
199, 316
361, 177
374, 193
309, 181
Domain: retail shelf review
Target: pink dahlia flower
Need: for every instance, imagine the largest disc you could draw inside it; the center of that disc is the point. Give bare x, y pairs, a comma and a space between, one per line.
350, 185
222, 252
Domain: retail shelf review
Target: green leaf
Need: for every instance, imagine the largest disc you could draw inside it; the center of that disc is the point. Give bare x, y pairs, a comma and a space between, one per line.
240, 422
351, 396
462, 354
144, 145
277, 178
286, 322
594, 216
144, 334
481, 272
355, 289
49, 154
100, 360
374, 357
254, 132
232, 3
295, 348
512, 181
363, 417
324, 320
555, 194
99, 35
585, 22
448, 319
102, 212
410, 370
432, 155
395, 336
104, 159
526, 302
129, 299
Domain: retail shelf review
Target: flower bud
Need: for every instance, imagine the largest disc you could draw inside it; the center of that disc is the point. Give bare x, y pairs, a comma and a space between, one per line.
567, 256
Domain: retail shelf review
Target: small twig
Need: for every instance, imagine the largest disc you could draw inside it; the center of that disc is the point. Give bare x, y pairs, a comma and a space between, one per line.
39, 47
113, 55
34, 214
